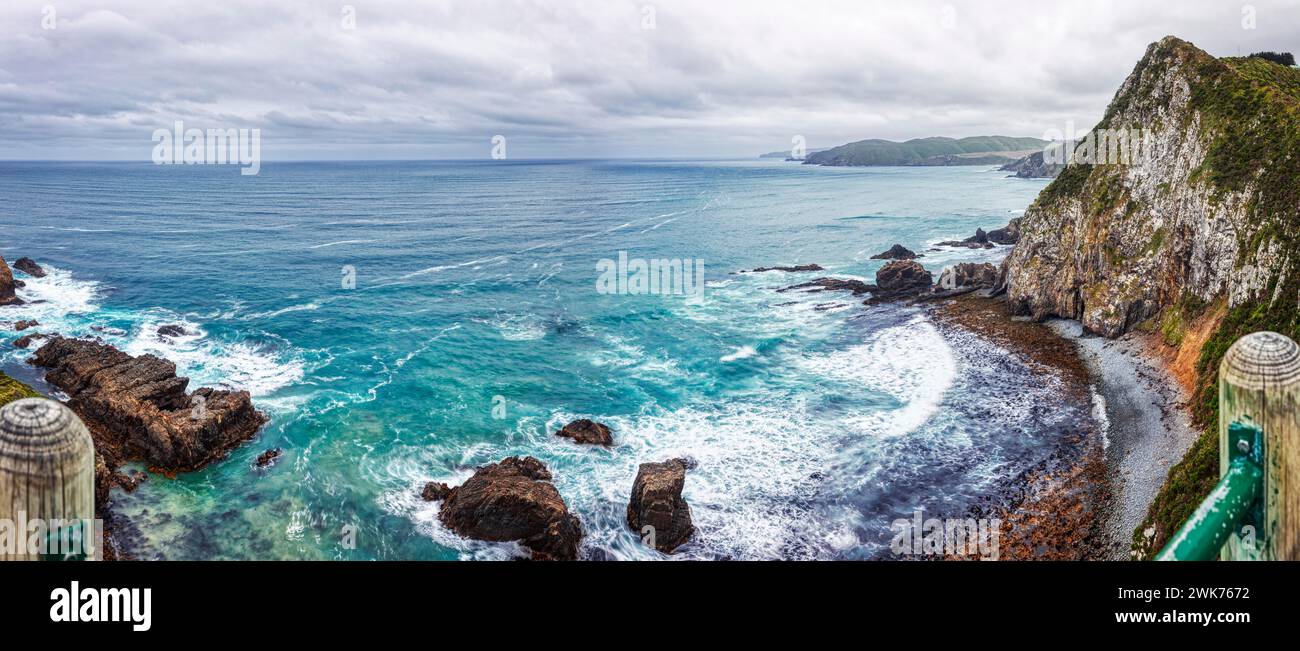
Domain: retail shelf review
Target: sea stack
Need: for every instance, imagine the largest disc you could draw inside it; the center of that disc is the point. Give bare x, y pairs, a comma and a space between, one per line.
657, 511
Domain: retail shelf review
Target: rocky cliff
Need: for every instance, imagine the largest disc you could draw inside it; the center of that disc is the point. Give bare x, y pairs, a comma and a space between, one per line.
1198, 222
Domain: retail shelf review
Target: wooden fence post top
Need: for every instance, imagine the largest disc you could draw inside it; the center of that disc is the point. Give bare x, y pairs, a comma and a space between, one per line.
1262, 359
37, 428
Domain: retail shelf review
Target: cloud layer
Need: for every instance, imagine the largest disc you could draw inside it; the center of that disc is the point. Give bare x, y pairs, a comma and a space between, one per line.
573, 78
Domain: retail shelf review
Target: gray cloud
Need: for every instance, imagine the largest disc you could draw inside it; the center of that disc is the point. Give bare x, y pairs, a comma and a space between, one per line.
437, 79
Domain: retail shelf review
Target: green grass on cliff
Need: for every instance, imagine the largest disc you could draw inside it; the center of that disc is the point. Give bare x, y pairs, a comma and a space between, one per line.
11, 390
1251, 108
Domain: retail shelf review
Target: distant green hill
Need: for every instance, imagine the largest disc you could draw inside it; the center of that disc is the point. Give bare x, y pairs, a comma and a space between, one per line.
976, 150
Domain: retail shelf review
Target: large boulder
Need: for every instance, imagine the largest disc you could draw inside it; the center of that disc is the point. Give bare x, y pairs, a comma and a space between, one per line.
657, 503
588, 432
137, 407
969, 275
7, 295
903, 276
29, 267
1009, 234
513, 500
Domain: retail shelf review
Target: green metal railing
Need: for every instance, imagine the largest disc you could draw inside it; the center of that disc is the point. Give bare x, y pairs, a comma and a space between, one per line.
1235, 503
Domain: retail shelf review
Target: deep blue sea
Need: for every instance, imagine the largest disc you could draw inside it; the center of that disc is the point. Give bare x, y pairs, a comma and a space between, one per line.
814, 420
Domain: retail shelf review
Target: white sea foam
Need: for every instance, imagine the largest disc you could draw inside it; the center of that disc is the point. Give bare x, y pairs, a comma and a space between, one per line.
744, 352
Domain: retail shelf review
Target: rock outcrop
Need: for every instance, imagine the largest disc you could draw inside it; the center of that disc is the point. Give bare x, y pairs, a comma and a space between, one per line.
268, 458
1196, 208
587, 432
7, 295
901, 278
657, 511
513, 500
171, 331
831, 284
896, 252
23, 325
791, 269
137, 407
1035, 165
969, 275
29, 267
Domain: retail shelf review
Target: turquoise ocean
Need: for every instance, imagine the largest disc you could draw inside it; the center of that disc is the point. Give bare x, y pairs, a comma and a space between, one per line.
814, 420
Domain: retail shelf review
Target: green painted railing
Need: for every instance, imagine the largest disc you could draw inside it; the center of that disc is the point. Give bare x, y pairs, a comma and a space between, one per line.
1235, 503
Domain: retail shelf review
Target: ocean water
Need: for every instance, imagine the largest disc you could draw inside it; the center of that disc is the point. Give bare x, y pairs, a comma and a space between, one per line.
815, 421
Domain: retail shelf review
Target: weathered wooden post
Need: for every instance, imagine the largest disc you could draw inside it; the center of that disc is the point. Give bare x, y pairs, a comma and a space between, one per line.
1259, 384
47, 480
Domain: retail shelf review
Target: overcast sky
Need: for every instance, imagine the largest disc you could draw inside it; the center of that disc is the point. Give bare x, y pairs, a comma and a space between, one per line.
92, 79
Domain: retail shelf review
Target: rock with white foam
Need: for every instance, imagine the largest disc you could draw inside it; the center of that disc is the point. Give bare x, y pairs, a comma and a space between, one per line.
657, 511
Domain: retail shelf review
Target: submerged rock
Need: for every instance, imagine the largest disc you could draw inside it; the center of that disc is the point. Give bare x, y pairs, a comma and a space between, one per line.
657, 511
7, 295
29, 267
171, 331
26, 340
588, 432
980, 240
137, 407
896, 252
267, 458
513, 500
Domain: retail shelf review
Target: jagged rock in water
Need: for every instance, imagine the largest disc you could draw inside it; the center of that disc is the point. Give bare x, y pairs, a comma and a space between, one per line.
588, 432
657, 503
267, 458
7, 295
434, 491
171, 331
896, 252
1195, 209
29, 267
137, 407
23, 325
832, 284
796, 268
969, 275
514, 500
1009, 234
903, 276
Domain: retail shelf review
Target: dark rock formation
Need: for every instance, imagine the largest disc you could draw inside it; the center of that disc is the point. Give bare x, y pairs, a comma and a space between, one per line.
587, 431
514, 500
831, 284
657, 502
26, 340
969, 275
137, 408
1034, 166
171, 331
434, 491
802, 267
29, 267
267, 458
1009, 234
903, 276
7, 296
896, 252
980, 240
23, 325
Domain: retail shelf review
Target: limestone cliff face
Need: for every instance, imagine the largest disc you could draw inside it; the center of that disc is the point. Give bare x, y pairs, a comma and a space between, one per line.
1203, 209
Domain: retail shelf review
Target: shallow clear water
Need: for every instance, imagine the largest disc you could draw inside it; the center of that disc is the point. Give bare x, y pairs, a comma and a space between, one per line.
812, 428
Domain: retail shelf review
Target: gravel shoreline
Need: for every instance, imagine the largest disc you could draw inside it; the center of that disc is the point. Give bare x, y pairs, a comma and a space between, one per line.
1147, 426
